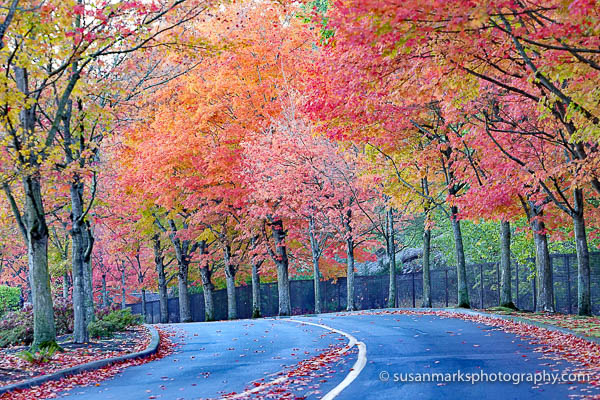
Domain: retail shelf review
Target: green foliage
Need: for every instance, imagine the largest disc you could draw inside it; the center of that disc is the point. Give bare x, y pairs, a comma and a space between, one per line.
40, 356
101, 329
10, 298
16, 327
114, 321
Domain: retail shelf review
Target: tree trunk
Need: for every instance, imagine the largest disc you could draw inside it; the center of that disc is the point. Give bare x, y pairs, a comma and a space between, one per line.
256, 289
65, 285
185, 314
80, 332
144, 305
426, 268
159, 263
584, 303
505, 274
44, 330
315, 252
282, 263
350, 304
230, 271
104, 292
391, 250
207, 285
545, 290
461, 269
88, 288
123, 293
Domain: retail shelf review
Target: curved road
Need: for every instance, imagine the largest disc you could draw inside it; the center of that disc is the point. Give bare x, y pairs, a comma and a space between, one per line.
218, 358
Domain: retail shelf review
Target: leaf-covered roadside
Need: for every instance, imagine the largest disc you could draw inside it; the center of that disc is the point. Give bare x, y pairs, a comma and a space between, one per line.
586, 326
52, 388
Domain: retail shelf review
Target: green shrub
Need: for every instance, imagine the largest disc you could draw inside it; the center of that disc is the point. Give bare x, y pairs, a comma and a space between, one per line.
121, 319
114, 321
101, 329
16, 327
10, 299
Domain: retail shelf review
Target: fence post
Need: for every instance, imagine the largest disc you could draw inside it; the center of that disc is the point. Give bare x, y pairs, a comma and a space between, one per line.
567, 265
446, 271
481, 284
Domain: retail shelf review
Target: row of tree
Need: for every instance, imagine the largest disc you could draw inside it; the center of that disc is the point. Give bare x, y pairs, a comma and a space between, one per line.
216, 143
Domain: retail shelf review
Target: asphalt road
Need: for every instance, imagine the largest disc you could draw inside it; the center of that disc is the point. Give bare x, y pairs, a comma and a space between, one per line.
235, 356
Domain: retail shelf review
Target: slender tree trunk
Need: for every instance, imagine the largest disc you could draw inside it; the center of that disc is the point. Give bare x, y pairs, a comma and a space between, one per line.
316, 253
391, 250
159, 263
144, 304
584, 303
505, 267
545, 290
461, 269
426, 268
256, 289
123, 293
88, 289
282, 263
104, 292
350, 304
230, 271
66, 285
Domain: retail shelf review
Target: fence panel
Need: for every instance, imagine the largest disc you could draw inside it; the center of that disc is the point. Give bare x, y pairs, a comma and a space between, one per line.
372, 291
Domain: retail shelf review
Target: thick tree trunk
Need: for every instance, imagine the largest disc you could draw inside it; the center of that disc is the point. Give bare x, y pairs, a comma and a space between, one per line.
505, 273
391, 250
80, 332
584, 303
461, 269
256, 289
185, 314
44, 329
315, 253
230, 271
282, 262
545, 290
426, 268
207, 288
159, 263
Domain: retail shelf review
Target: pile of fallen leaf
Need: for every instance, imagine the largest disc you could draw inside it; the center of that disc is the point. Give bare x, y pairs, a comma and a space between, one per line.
588, 326
51, 388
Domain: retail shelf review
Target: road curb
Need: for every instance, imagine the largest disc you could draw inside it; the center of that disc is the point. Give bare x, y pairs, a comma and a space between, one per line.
151, 349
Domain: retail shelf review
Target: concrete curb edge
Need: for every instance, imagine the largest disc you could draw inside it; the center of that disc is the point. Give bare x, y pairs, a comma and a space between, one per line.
151, 349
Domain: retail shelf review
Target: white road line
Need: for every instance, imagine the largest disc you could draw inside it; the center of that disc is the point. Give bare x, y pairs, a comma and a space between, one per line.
333, 393
358, 366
